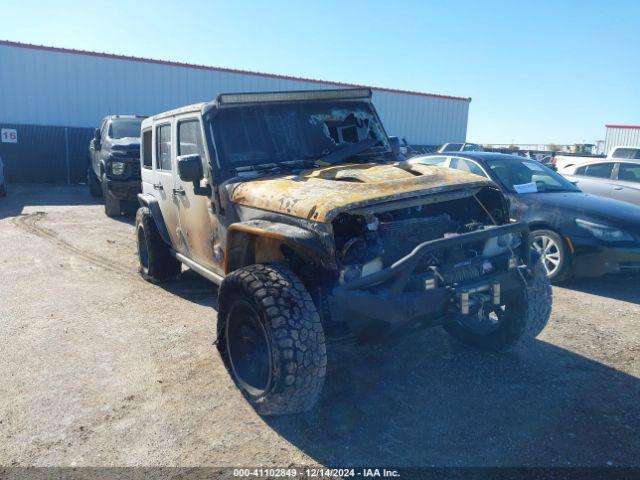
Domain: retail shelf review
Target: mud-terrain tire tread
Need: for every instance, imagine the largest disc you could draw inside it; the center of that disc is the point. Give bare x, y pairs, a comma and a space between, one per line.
95, 189
111, 205
162, 265
521, 326
539, 303
296, 336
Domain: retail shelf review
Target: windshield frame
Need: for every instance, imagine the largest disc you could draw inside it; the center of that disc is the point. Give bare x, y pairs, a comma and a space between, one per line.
512, 159
138, 120
226, 169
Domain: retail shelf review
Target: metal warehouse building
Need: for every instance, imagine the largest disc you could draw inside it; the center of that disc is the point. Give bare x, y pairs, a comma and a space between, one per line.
51, 99
621, 135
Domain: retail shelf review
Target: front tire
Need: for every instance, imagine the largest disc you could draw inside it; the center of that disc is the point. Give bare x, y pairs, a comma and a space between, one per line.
554, 254
112, 206
517, 322
156, 262
271, 339
94, 185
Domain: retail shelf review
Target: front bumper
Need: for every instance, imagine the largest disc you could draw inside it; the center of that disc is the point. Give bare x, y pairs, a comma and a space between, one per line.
124, 190
382, 296
603, 260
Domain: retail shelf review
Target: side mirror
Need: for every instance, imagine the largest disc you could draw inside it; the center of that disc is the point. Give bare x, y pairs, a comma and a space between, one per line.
95, 141
190, 168
395, 146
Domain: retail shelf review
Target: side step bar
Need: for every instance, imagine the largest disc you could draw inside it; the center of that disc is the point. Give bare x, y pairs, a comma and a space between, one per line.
196, 267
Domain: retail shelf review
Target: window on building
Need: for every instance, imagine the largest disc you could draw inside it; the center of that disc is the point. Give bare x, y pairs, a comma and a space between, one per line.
163, 147
146, 149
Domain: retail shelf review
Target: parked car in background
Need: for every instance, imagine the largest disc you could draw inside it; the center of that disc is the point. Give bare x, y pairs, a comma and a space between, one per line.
617, 180
114, 168
563, 162
460, 147
3, 183
576, 233
547, 160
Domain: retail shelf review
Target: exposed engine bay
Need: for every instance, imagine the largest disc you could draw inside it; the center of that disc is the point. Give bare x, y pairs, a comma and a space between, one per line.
371, 242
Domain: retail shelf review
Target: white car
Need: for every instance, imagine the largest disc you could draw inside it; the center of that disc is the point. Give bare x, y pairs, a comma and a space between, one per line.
460, 147
565, 162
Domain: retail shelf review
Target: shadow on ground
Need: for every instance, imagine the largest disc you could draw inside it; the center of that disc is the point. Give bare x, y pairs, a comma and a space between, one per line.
620, 287
193, 288
21, 195
427, 400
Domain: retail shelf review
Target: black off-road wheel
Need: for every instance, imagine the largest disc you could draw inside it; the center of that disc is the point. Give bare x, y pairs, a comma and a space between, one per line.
501, 327
112, 206
95, 188
156, 262
271, 339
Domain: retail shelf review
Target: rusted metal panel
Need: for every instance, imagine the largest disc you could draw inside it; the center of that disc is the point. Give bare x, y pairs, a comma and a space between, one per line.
321, 194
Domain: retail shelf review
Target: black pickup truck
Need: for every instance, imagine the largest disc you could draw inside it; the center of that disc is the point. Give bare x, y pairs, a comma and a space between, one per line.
114, 163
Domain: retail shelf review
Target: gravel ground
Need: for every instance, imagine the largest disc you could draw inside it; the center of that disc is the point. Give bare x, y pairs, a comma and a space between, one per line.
99, 368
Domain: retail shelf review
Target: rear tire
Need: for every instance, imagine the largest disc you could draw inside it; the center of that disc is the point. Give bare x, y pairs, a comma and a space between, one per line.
521, 321
156, 262
271, 339
94, 185
112, 206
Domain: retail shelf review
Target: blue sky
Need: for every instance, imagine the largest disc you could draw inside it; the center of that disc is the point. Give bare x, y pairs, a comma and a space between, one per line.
538, 71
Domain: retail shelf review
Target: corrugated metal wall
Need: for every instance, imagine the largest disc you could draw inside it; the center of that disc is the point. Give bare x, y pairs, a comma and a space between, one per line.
46, 154
621, 136
54, 88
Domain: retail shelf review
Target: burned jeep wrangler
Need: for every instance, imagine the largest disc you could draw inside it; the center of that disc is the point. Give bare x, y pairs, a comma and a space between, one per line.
295, 204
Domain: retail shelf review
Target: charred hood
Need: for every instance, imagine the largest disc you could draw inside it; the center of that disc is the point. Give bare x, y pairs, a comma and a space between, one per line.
321, 194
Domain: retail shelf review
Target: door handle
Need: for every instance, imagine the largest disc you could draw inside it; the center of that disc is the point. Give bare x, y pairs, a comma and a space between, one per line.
178, 191
617, 188
158, 186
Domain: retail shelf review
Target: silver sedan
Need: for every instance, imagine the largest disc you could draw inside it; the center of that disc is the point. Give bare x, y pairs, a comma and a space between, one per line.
618, 180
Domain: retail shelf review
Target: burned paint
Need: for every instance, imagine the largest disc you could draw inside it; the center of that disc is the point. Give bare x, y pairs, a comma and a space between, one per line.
321, 194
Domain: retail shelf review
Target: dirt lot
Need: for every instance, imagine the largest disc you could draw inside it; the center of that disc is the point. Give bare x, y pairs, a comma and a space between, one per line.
98, 367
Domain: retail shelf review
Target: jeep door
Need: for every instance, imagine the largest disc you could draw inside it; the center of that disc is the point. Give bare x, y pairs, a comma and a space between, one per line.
198, 222
164, 183
147, 173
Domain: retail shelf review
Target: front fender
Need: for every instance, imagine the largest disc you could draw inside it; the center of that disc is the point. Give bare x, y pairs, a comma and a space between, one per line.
304, 242
148, 200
